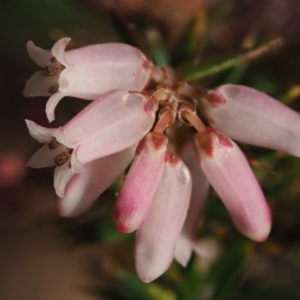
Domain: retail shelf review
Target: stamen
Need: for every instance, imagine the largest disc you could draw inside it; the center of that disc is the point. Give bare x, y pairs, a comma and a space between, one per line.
192, 119
62, 158
54, 144
51, 71
166, 117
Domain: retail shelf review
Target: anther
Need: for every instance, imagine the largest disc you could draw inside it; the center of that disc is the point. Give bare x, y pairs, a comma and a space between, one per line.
51, 71
54, 144
62, 158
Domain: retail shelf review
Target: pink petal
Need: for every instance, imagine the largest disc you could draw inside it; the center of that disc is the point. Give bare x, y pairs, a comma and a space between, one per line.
39, 85
156, 238
84, 188
51, 104
40, 56
58, 50
98, 69
141, 182
231, 176
108, 125
39, 133
255, 118
185, 244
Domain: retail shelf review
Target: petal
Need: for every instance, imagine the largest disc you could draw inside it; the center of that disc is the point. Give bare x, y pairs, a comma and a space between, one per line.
39, 85
184, 249
185, 244
44, 157
141, 182
77, 167
40, 56
255, 118
39, 133
98, 69
108, 125
156, 238
58, 50
83, 189
62, 176
51, 104
231, 176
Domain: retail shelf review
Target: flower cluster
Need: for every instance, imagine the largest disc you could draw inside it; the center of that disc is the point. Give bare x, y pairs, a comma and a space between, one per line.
174, 153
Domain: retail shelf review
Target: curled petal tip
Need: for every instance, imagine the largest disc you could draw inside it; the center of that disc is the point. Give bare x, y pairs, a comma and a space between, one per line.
58, 50
51, 104
40, 56
62, 176
39, 133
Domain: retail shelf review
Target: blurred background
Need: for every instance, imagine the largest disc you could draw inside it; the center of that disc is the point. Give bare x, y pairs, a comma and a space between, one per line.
46, 257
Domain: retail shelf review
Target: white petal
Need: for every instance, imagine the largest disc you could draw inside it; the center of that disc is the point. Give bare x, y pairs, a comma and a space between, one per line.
39, 133
51, 104
44, 157
40, 56
183, 250
84, 188
77, 167
62, 176
39, 85
58, 50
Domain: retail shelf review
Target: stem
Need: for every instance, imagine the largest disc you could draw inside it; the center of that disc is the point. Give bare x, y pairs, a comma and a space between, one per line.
196, 72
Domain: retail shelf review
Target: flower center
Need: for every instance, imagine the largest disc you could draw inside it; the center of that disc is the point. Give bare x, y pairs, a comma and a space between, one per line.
51, 71
54, 144
63, 157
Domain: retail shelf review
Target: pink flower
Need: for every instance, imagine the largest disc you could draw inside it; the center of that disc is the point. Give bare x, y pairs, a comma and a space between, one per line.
157, 237
141, 183
165, 189
86, 73
83, 189
187, 239
229, 173
252, 117
110, 124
